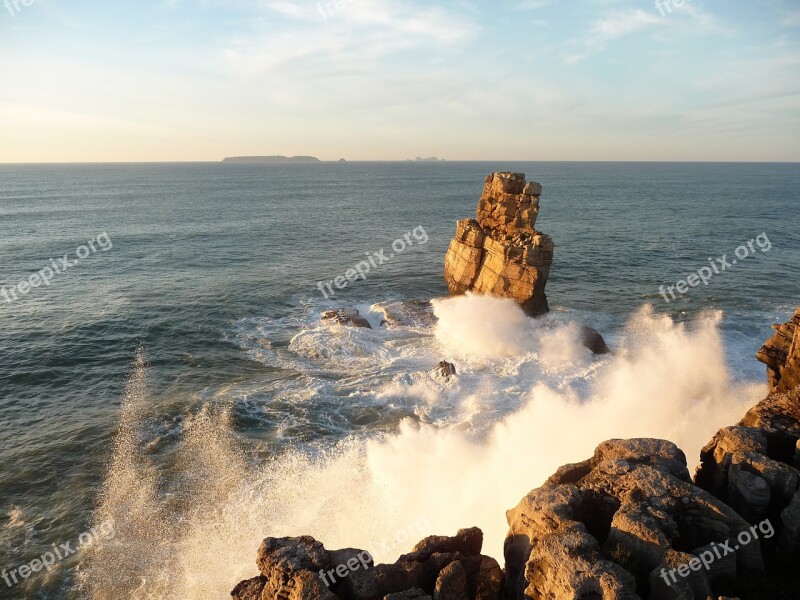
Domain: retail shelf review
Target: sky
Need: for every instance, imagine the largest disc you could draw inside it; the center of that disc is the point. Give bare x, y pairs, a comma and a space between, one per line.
198, 80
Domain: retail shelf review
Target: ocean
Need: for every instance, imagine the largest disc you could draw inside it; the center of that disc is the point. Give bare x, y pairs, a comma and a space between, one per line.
172, 397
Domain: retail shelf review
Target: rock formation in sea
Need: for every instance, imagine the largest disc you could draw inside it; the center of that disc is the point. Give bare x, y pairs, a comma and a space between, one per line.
500, 253
628, 523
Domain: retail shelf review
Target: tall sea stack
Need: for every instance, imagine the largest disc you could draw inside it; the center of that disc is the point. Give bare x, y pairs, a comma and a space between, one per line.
500, 253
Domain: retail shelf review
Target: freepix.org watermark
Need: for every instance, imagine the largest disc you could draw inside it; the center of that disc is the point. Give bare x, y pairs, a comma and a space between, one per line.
58, 552
374, 260
716, 266
56, 267
717, 551
365, 558
328, 8
13, 6
665, 6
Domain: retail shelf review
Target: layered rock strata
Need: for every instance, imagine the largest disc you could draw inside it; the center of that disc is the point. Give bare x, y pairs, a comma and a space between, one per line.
500, 253
781, 354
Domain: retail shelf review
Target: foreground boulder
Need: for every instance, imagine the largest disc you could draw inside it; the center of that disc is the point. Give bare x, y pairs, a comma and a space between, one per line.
754, 467
618, 526
500, 253
446, 568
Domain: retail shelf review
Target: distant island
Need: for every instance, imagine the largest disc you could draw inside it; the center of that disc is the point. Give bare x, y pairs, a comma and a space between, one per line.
430, 159
271, 159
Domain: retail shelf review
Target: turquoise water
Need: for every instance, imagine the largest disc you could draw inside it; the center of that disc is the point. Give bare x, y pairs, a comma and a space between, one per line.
212, 274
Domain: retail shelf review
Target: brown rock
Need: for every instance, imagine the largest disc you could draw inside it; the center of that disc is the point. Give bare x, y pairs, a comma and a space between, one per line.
250, 589
290, 567
490, 580
451, 583
605, 525
500, 253
781, 354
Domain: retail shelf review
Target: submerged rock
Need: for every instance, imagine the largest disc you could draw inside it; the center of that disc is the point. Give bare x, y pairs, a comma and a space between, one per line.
347, 317
406, 313
592, 339
444, 371
500, 253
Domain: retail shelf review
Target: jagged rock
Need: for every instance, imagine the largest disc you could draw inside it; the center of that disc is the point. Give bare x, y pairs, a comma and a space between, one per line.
250, 589
415, 594
592, 339
406, 313
753, 467
781, 354
451, 583
778, 417
290, 569
444, 371
717, 455
348, 317
606, 525
665, 584
500, 253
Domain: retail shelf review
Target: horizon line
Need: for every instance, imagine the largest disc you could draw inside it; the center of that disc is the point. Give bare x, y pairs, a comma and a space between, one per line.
338, 161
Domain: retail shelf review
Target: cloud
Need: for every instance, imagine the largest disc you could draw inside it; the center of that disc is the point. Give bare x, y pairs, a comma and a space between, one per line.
527, 5
349, 38
621, 25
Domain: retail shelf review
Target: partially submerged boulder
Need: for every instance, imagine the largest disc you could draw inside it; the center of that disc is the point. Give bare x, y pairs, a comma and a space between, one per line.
346, 317
406, 313
444, 371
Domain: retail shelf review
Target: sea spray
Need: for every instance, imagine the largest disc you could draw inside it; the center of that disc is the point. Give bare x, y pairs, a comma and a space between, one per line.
200, 537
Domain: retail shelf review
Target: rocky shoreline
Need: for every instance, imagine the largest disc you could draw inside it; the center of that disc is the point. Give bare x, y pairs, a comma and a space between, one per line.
629, 522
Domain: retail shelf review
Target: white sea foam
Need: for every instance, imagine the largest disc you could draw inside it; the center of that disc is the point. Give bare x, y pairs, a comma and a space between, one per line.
527, 399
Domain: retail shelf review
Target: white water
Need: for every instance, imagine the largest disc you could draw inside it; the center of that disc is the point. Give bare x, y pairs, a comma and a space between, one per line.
528, 399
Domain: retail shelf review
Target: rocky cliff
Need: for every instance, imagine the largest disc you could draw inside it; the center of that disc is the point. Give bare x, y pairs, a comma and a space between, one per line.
500, 253
781, 354
627, 523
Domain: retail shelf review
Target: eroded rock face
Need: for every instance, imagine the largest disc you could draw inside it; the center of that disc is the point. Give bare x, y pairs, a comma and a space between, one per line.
606, 528
781, 354
500, 253
753, 466
449, 568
